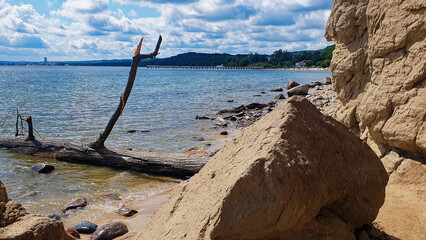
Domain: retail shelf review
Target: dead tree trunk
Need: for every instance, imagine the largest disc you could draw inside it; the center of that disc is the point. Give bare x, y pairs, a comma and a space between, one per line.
137, 57
29, 120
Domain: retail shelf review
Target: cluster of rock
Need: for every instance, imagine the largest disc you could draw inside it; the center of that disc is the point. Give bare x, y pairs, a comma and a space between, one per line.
17, 223
379, 71
294, 174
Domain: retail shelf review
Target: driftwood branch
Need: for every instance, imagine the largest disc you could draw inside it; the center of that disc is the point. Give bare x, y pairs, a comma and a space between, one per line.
137, 57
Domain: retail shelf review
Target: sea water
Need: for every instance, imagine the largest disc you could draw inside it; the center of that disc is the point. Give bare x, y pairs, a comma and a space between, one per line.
77, 102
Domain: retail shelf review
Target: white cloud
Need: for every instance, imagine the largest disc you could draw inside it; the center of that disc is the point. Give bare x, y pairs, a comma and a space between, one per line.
106, 29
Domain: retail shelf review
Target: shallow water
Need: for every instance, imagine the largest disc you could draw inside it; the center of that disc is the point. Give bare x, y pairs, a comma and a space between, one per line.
76, 103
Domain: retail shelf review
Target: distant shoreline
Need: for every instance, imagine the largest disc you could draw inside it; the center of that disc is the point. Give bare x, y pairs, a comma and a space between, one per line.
234, 68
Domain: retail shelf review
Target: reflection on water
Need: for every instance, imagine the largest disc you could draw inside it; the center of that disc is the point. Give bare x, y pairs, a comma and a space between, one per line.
76, 103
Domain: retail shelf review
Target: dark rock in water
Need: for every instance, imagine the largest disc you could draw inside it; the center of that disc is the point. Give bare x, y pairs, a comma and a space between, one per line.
72, 232
299, 90
80, 202
257, 95
279, 97
130, 149
256, 105
42, 168
230, 101
208, 144
233, 110
262, 92
110, 231
136, 130
276, 90
232, 118
126, 212
30, 194
55, 217
201, 117
223, 132
292, 84
199, 139
111, 196
85, 227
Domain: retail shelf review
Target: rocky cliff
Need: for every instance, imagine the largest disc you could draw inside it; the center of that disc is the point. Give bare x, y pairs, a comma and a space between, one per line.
294, 174
18, 224
379, 71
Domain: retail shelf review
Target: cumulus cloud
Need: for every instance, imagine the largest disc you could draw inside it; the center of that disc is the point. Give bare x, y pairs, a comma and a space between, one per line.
106, 29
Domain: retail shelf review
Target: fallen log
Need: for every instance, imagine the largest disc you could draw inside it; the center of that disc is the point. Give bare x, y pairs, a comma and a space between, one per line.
179, 165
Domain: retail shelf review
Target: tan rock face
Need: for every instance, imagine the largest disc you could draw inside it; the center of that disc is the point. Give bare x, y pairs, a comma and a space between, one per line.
16, 223
294, 174
379, 70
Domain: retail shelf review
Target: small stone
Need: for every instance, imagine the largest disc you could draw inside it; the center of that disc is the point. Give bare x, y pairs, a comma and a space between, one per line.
262, 92
199, 139
292, 84
192, 149
279, 97
208, 145
327, 80
130, 149
42, 168
223, 132
85, 227
230, 101
110, 231
256, 105
55, 217
78, 203
126, 212
112, 196
257, 95
72, 232
276, 90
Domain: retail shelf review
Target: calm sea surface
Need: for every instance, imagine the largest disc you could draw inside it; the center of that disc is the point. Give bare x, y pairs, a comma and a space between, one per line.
76, 103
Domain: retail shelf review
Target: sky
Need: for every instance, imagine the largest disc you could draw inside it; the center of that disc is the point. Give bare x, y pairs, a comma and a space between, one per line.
111, 29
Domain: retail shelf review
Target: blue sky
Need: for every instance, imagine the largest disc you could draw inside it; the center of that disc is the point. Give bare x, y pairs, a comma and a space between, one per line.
110, 29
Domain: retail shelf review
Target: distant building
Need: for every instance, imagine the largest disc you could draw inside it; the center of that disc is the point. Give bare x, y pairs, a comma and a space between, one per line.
45, 60
300, 64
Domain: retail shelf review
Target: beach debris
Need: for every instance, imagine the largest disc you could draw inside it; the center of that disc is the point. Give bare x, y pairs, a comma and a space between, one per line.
110, 231
299, 90
77, 203
201, 117
85, 227
276, 90
111, 196
126, 212
42, 168
279, 97
223, 132
73, 232
292, 84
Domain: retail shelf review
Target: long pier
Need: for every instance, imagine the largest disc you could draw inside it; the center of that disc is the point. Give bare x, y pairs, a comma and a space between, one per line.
235, 68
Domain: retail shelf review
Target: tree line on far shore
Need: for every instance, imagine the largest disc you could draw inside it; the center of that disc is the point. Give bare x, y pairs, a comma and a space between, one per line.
279, 59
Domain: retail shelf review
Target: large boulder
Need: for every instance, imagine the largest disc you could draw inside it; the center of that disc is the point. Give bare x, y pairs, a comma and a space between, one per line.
18, 224
294, 174
379, 71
